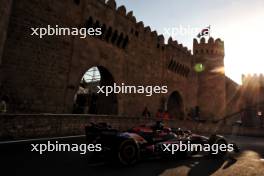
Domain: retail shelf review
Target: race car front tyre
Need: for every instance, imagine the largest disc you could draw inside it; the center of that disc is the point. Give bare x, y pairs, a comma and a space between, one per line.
218, 140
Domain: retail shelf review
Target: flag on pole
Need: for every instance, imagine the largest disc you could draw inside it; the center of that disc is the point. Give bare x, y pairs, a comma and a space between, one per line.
204, 32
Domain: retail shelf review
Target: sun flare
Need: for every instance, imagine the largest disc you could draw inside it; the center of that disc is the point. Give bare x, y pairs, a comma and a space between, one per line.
244, 47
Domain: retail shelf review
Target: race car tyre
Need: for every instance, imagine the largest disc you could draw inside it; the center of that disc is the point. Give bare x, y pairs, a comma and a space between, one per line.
219, 141
128, 153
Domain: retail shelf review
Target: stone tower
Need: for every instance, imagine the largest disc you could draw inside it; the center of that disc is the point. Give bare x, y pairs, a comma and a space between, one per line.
211, 78
252, 93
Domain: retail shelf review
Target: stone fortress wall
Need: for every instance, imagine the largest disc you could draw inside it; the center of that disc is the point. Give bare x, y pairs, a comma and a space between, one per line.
42, 75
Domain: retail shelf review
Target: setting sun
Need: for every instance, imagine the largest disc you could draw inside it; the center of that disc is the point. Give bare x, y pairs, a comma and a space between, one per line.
243, 45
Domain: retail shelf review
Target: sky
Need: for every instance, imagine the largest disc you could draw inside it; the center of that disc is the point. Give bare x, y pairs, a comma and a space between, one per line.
240, 23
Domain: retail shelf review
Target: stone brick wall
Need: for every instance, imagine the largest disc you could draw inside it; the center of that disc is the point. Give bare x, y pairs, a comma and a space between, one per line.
5, 8
25, 126
35, 70
234, 97
50, 125
42, 75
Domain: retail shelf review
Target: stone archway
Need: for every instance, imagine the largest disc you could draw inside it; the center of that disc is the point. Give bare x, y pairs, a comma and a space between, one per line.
87, 100
175, 105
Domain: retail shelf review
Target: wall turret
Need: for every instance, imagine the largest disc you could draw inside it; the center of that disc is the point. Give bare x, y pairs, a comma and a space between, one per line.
211, 77
212, 47
252, 94
253, 80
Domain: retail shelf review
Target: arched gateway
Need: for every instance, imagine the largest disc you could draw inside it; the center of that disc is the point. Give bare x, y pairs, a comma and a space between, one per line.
175, 105
87, 100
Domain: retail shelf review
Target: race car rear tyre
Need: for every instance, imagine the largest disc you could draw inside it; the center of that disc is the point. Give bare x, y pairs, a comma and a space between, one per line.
128, 153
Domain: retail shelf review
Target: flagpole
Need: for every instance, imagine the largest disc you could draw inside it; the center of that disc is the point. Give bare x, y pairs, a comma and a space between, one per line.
209, 31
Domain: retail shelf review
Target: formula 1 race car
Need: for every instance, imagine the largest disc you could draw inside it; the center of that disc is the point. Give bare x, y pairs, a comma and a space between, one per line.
154, 140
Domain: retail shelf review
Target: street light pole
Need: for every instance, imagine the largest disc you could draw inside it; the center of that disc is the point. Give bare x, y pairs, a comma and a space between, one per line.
259, 114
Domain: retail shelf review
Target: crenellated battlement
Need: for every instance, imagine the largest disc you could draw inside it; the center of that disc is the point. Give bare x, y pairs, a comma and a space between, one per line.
253, 79
136, 29
174, 44
211, 47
